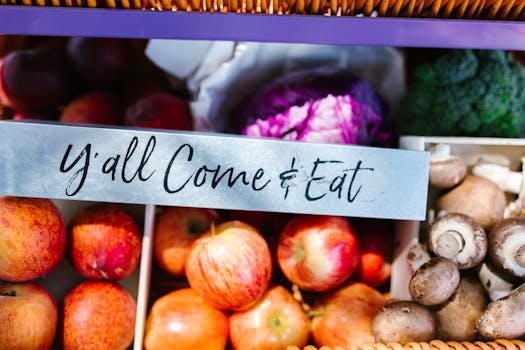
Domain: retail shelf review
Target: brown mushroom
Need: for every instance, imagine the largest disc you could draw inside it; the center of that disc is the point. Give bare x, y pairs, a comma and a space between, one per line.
477, 197
459, 238
494, 283
499, 173
445, 170
417, 255
507, 247
457, 319
403, 321
434, 282
517, 207
504, 318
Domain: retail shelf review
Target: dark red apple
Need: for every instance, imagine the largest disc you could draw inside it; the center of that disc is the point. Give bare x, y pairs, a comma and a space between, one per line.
104, 242
230, 266
28, 317
100, 62
98, 315
159, 111
32, 238
275, 322
34, 79
318, 252
176, 229
376, 241
95, 107
182, 320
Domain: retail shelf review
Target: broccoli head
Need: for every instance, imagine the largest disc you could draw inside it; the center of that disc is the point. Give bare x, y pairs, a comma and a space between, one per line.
465, 93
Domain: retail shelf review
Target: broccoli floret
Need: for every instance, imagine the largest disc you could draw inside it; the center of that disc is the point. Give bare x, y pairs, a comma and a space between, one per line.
456, 66
466, 93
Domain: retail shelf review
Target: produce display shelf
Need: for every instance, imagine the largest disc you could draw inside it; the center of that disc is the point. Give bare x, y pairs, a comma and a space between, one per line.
315, 29
310, 29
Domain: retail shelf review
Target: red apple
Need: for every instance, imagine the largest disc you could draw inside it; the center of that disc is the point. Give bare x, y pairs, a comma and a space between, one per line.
176, 229
32, 238
182, 320
275, 322
230, 266
28, 315
160, 111
317, 252
376, 241
343, 317
98, 315
104, 242
96, 107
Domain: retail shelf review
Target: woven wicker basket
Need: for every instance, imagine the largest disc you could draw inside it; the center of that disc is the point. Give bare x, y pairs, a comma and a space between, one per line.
461, 9
433, 345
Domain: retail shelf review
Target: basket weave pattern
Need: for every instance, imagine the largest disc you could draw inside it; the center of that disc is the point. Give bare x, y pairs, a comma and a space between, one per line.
500, 344
461, 9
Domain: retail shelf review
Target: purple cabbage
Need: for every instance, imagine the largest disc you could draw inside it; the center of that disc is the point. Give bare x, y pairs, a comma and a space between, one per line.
316, 106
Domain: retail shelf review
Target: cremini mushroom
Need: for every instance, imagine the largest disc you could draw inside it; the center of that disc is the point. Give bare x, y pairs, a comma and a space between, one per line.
459, 238
517, 206
434, 282
507, 247
504, 318
417, 255
403, 322
445, 170
499, 173
456, 320
477, 197
494, 283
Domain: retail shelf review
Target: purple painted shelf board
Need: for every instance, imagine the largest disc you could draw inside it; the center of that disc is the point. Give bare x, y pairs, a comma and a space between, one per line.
399, 32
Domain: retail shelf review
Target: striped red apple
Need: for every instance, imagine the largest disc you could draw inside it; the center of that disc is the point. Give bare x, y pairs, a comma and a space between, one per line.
230, 266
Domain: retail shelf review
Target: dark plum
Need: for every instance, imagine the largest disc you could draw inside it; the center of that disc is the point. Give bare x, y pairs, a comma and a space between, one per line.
34, 80
100, 62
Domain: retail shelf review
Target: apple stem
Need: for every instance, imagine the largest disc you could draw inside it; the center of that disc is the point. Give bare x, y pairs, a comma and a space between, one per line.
212, 229
101, 272
315, 313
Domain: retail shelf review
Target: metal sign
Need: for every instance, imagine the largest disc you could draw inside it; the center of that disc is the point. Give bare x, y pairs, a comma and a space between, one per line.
210, 170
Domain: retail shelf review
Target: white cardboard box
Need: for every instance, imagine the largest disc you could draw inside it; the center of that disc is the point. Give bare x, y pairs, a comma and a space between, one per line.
467, 148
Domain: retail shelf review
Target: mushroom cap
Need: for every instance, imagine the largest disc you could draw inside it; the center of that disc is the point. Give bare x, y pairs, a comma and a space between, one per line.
477, 197
446, 171
434, 282
402, 322
504, 318
459, 238
507, 247
457, 319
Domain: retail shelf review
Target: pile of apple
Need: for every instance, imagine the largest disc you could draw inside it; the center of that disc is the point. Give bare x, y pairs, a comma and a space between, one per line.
265, 280
102, 242
91, 81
